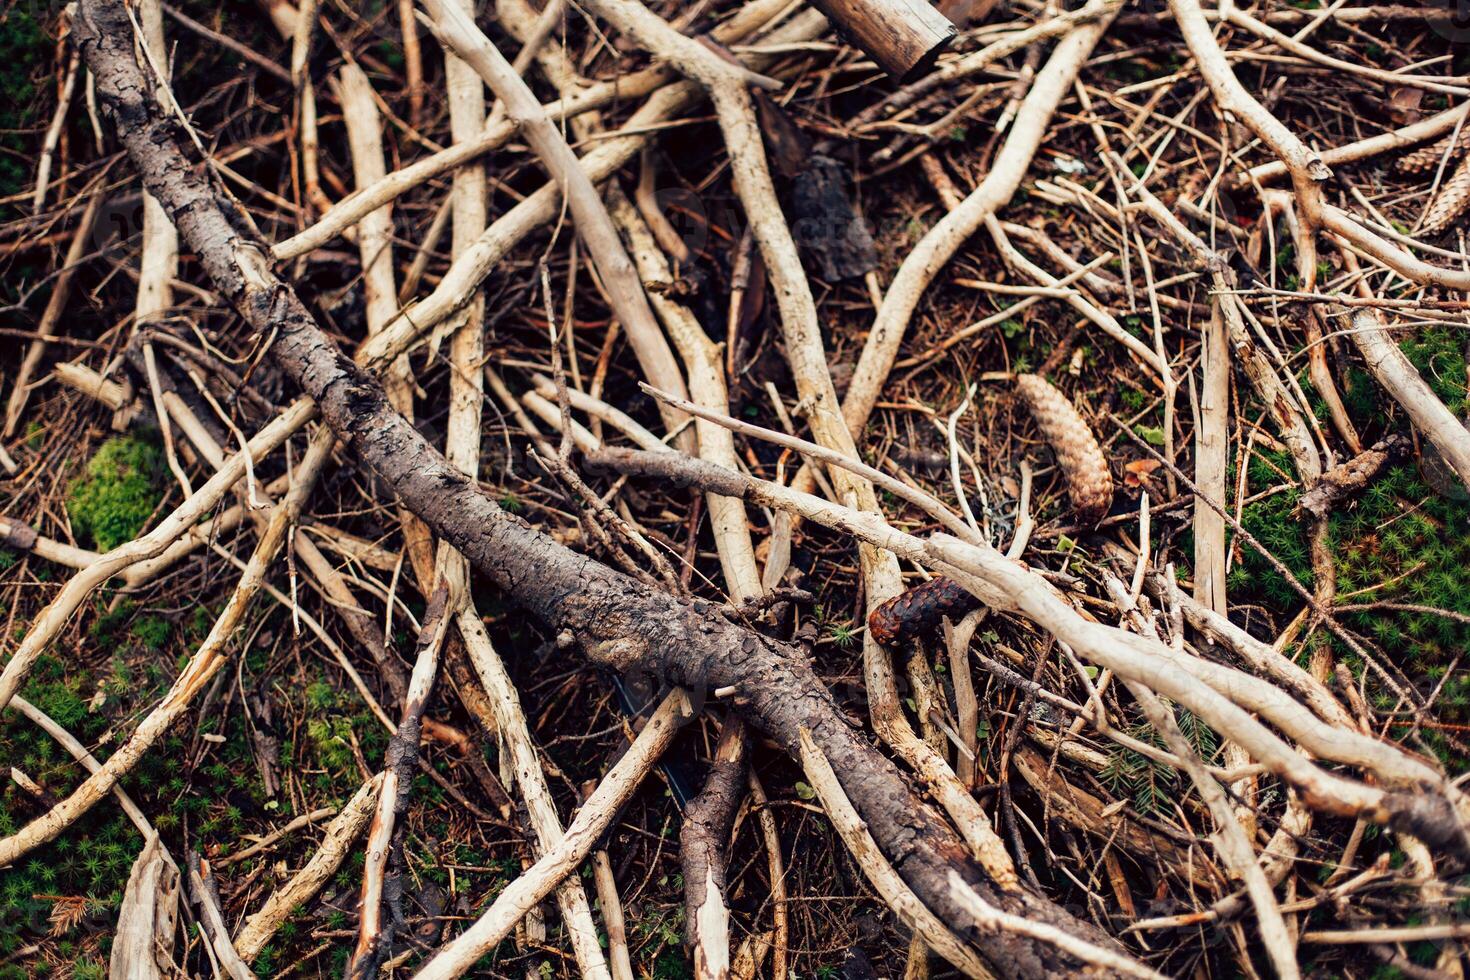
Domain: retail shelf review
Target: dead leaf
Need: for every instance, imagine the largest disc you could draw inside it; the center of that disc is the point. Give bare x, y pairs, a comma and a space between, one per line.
1136, 473
963, 13
1403, 104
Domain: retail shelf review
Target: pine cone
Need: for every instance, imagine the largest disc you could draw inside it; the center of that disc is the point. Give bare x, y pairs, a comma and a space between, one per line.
919, 610
1450, 202
1089, 481
1426, 158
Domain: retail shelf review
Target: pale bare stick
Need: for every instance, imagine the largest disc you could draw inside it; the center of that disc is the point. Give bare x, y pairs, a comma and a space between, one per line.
1391, 369
975, 62
413, 63
541, 207
89, 762
1264, 657
350, 210
467, 343
597, 409
50, 621
155, 388
541, 808
374, 935
1393, 139
1389, 934
1371, 244
1231, 842
332, 583
1074, 298
1303, 164
591, 821
705, 368
196, 536
90, 383
375, 230
210, 657
1211, 459
22, 537
646, 198
211, 919
159, 263
53, 131
935, 249
300, 35
806, 354
264, 843
875, 867
703, 364
20, 391
338, 837
1291, 45
375, 245
1225, 697
534, 31
595, 227
610, 905
468, 208
497, 132
1096, 956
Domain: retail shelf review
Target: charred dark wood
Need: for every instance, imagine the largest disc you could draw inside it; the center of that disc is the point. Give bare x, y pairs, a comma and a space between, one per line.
833, 236
618, 622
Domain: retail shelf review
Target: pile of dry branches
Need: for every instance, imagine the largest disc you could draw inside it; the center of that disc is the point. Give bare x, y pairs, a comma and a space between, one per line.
1117, 345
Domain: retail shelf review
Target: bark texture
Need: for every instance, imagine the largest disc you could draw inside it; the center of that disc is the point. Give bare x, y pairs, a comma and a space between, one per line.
617, 622
904, 36
1346, 479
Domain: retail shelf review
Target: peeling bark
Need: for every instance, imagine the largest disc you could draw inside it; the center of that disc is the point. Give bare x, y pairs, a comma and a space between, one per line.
704, 843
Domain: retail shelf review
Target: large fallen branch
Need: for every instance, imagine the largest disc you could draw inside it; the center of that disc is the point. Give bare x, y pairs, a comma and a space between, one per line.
178, 533
1417, 799
617, 622
808, 358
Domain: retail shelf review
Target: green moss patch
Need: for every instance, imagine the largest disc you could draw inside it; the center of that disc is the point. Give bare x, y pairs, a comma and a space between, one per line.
121, 487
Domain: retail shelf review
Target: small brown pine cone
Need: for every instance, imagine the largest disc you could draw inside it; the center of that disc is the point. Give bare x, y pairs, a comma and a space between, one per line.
1089, 481
1426, 158
1450, 202
919, 610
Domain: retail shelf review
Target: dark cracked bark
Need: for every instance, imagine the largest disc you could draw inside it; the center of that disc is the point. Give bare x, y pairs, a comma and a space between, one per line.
617, 622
